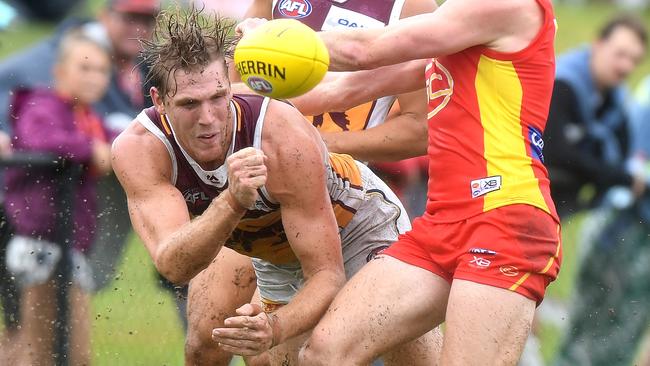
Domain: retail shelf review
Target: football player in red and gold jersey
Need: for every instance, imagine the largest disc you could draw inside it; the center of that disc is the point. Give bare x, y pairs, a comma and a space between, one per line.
489, 242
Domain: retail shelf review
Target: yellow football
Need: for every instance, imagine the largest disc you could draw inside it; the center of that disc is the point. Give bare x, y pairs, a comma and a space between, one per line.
281, 59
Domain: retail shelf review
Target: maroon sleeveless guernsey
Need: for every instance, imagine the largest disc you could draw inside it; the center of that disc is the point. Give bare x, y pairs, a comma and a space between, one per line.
331, 14
260, 233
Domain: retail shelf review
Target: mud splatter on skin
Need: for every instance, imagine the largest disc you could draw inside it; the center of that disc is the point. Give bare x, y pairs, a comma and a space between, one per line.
241, 279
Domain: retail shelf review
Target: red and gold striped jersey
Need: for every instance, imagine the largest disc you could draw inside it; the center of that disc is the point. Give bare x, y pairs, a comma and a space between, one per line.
487, 113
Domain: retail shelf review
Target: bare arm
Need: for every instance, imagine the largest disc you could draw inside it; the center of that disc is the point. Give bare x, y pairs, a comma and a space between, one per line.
180, 247
400, 137
296, 180
340, 91
505, 25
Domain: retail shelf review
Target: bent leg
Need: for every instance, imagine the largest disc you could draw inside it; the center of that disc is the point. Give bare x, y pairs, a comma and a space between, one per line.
387, 303
214, 294
485, 325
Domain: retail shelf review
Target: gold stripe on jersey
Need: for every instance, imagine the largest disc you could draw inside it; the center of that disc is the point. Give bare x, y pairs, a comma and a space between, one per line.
345, 166
344, 169
499, 93
165, 124
239, 119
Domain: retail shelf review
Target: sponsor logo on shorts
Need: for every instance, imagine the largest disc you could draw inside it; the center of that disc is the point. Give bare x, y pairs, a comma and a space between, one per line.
509, 271
259, 85
375, 252
295, 9
482, 251
484, 186
479, 262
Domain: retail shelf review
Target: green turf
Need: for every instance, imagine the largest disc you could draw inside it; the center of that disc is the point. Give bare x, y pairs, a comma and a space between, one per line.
135, 322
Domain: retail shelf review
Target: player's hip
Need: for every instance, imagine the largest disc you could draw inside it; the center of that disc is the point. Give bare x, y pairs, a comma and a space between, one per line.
378, 222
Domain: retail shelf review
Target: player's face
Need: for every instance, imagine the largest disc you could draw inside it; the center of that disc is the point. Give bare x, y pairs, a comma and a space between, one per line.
617, 56
84, 72
200, 112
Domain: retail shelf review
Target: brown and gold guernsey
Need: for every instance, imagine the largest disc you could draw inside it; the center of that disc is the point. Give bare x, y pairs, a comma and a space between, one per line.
260, 233
331, 14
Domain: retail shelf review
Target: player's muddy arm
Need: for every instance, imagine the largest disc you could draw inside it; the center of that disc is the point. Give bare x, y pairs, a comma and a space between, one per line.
297, 180
455, 26
180, 247
403, 135
340, 91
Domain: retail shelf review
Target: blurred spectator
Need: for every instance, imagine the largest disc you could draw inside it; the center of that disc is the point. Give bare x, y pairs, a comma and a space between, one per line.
50, 10
119, 25
58, 121
612, 310
587, 136
591, 140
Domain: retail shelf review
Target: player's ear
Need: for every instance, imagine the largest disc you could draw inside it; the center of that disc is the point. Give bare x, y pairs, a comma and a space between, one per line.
157, 100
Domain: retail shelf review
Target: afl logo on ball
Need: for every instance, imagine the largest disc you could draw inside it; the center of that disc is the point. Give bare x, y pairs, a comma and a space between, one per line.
259, 85
295, 9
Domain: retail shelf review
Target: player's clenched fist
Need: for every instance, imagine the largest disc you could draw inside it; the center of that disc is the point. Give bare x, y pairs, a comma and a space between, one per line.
246, 173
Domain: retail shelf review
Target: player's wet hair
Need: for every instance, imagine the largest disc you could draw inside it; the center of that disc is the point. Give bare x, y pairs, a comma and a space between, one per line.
628, 21
185, 39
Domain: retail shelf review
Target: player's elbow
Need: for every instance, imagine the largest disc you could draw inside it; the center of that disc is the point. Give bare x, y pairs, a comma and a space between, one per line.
336, 279
169, 268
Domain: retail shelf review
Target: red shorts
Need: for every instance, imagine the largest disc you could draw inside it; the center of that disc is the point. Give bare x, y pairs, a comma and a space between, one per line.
514, 247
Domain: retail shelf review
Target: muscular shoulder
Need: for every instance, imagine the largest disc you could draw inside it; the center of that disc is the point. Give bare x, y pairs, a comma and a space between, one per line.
292, 145
137, 152
284, 125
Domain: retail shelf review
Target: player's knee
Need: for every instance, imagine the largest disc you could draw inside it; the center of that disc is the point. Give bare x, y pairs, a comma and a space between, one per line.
318, 351
201, 350
309, 355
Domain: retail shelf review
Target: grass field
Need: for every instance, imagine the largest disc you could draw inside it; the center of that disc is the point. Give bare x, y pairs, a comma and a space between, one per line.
135, 322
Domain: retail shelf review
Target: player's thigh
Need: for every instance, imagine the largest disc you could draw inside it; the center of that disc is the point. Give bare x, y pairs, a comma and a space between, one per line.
386, 304
485, 325
215, 293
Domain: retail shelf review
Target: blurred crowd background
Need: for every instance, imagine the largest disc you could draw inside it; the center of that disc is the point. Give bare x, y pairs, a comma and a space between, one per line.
596, 146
